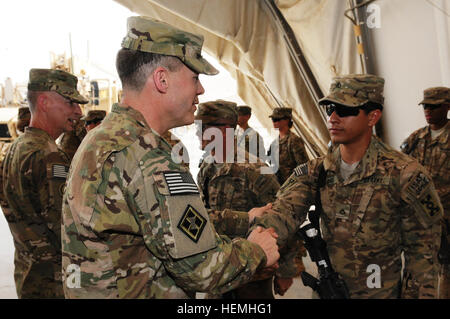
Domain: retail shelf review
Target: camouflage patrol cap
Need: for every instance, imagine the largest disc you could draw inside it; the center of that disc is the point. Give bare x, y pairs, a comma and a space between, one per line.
355, 90
244, 110
94, 115
23, 118
58, 81
149, 35
436, 95
217, 112
281, 113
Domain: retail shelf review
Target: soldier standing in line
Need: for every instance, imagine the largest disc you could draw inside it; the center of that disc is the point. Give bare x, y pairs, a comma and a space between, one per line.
377, 202
235, 185
93, 119
23, 120
291, 148
69, 141
430, 145
247, 137
134, 225
34, 174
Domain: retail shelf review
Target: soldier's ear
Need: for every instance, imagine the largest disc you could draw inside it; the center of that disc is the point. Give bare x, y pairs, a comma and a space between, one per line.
374, 116
42, 102
160, 79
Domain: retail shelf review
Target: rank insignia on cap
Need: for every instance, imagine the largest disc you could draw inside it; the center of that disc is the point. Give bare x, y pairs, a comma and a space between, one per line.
192, 223
59, 171
180, 183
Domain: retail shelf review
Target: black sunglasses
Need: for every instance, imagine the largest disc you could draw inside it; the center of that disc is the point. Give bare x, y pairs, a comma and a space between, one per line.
341, 110
431, 106
277, 120
92, 122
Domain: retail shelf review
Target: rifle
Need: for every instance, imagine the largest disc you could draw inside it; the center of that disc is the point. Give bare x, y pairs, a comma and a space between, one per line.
330, 284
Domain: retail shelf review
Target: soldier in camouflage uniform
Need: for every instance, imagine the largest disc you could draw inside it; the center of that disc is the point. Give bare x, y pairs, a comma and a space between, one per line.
291, 153
430, 145
291, 149
232, 184
134, 225
247, 137
93, 119
70, 141
178, 148
23, 120
34, 174
377, 202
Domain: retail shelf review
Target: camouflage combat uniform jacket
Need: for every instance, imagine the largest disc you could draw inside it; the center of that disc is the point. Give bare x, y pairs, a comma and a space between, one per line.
131, 231
291, 152
248, 138
388, 205
237, 187
71, 140
434, 155
34, 175
230, 188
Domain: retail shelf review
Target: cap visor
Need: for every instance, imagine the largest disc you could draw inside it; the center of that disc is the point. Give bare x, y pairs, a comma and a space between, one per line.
432, 101
329, 100
201, 66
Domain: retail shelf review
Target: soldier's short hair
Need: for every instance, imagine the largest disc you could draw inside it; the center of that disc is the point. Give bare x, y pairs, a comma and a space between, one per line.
149, 43
134, 67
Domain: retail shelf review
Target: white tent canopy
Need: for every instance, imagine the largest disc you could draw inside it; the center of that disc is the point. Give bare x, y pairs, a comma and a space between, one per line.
408, 44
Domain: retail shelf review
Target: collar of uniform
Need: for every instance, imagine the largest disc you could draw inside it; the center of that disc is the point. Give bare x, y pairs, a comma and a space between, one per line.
366, 167
443, 138
38, 132
130, 112
285, 138
137, 117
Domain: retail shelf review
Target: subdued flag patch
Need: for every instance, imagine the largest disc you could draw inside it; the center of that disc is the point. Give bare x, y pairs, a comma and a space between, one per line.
59, 171
180, 183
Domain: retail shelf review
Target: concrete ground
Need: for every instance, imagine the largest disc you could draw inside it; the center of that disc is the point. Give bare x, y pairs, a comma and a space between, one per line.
8, 289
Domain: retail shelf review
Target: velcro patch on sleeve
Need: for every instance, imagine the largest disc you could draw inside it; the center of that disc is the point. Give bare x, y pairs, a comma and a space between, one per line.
301, 170
180, 183
419, 183
192, 223
430, 205
60, 171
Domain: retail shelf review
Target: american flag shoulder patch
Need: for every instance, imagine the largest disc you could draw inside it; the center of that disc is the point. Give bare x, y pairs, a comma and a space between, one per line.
60, 171
180, 183
301, 170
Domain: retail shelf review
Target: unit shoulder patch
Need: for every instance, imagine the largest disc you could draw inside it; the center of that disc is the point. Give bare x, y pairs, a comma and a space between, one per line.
192, 223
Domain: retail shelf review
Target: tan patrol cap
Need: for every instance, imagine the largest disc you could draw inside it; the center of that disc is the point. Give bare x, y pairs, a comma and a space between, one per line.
23, 118
149, 35
436, 95
355, 90
58, 81
244, 110
281, 113
217, 112
94, 115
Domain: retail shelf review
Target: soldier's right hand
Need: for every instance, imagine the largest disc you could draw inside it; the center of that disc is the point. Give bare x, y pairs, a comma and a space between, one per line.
258, 212
267, 240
